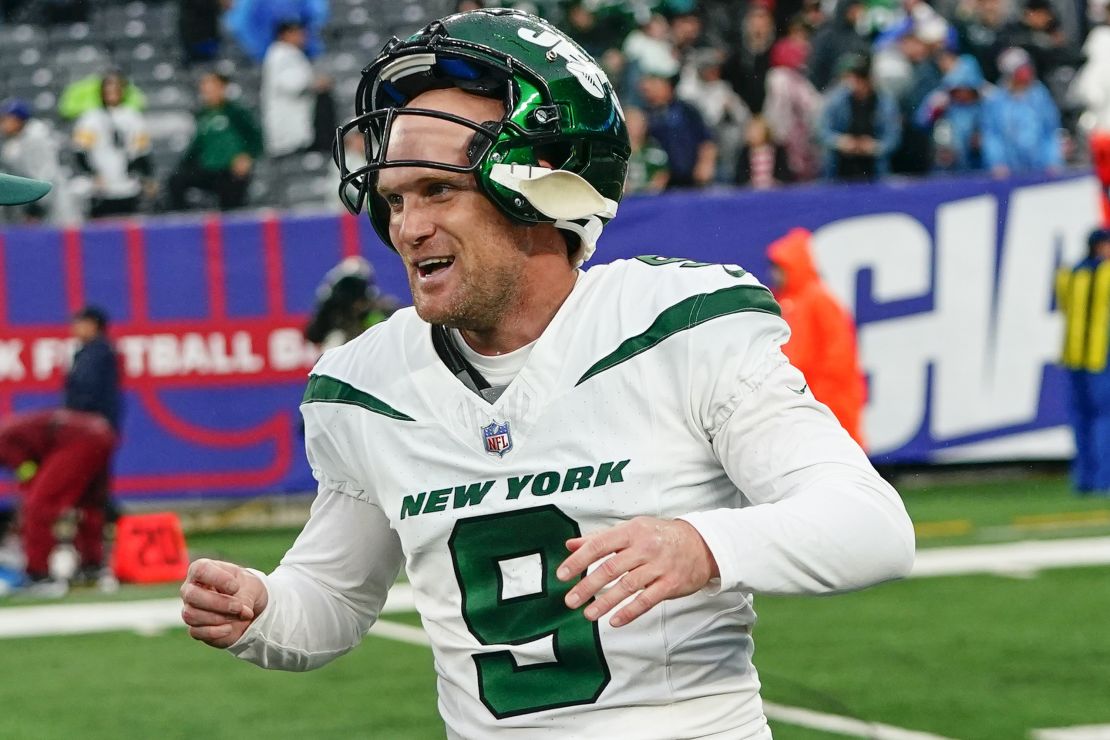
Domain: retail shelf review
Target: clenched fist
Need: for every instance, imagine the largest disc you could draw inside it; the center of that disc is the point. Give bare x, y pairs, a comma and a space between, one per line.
220, 601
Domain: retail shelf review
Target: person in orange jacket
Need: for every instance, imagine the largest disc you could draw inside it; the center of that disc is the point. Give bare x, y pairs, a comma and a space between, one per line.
823, 334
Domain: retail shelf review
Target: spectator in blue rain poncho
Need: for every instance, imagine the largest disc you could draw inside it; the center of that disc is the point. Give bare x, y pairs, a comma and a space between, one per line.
954, 114
254, 23
1020, 120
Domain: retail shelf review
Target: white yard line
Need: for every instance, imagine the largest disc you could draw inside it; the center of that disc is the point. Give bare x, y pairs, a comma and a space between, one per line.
400, 632
147, 616
1079, 732
1014, 558
842, 725
1011, 558
1018, 558
74, 619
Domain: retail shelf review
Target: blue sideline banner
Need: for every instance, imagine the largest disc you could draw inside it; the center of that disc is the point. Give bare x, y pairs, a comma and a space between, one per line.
950, 281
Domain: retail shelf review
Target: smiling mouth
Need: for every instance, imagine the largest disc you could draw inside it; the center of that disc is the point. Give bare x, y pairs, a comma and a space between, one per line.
428, 267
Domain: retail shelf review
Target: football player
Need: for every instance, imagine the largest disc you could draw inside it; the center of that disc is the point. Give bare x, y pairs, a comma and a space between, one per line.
586, 474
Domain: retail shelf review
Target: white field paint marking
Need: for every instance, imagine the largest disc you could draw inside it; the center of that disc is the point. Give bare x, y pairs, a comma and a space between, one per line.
145, 617
1006, 559
1012, 558
1079, 732
1009, 559
400, 632
73, 619
842, 725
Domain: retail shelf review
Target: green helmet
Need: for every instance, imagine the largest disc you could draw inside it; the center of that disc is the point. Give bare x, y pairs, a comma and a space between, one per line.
559, 107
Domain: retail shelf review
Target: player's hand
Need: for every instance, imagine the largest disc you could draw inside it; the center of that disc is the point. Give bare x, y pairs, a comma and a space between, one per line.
220, 601
656, 559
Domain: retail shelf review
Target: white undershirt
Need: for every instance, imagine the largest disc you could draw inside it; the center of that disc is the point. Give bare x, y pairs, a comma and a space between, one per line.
498, 370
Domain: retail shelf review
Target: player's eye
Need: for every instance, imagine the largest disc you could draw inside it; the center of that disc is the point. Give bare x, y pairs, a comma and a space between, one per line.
437, 189
395, 201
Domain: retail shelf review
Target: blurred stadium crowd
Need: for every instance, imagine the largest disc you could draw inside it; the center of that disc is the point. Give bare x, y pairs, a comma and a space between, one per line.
169, 105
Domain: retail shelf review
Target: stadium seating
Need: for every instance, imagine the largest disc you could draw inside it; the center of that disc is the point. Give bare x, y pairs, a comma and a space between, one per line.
140, 37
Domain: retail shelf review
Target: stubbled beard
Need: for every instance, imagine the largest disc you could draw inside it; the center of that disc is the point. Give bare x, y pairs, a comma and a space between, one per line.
479, 303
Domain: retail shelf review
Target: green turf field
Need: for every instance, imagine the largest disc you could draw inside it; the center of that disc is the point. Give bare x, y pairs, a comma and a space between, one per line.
963, 657
1038, 507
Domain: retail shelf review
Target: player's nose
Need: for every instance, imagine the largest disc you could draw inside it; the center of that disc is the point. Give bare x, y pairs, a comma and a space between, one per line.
413, 226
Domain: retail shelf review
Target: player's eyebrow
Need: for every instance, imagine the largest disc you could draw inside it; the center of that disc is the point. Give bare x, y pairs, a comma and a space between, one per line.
443, 176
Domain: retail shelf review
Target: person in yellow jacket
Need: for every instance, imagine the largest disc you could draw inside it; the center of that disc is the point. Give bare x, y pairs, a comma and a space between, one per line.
1083, 294
84, 95
822, 332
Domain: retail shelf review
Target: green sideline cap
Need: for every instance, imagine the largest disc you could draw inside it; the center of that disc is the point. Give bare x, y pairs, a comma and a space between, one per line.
16, 190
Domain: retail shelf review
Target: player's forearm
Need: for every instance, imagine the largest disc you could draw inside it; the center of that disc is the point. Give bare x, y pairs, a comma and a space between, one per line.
329, 588
303, 626
820, 518
848, 530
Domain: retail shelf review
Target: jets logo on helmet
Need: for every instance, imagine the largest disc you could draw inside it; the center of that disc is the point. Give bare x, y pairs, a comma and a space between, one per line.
559, 152
579, 63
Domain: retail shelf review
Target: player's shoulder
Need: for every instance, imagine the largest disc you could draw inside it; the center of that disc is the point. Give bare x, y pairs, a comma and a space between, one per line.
367, 374
652, 284
373, 358
663, 307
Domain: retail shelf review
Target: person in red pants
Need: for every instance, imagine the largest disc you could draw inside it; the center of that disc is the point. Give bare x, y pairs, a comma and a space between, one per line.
60, 458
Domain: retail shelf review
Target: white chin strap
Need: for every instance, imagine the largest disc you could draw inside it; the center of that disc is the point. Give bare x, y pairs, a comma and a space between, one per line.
564, 196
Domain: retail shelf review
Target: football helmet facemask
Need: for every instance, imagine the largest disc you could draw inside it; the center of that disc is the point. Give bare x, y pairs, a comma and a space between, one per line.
559, 108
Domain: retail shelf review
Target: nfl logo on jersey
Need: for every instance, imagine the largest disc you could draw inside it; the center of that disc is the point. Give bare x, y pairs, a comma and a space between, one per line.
497, 438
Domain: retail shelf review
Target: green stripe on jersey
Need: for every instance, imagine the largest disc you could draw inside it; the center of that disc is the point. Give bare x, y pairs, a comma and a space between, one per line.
326, 389
686, 314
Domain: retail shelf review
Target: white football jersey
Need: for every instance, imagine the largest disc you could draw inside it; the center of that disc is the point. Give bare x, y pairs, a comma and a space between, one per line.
644, 381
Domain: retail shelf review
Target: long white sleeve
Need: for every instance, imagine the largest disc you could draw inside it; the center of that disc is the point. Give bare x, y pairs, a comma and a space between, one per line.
331, 585
328, 590
818, 517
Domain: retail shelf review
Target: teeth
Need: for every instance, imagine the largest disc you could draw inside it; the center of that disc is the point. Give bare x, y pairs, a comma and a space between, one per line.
432, 261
